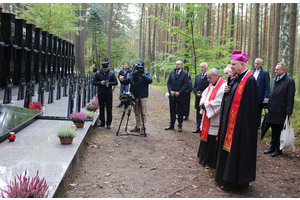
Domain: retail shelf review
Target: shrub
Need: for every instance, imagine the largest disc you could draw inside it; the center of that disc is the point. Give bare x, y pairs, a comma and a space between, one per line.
23, 187
64, 132
78, 117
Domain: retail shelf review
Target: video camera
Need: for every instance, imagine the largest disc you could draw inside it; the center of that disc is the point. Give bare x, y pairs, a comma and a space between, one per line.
127, 99
137, 70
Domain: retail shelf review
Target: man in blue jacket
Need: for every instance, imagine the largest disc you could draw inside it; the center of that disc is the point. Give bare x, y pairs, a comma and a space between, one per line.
262, 78
139, 87
105, 79
178, 84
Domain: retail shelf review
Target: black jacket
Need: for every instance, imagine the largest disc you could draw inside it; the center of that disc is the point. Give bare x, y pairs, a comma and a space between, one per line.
101, 76
281, 100
199, 85
178, 83
124, 73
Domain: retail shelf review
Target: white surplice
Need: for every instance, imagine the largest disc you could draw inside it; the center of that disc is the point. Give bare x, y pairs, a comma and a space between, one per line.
212, 108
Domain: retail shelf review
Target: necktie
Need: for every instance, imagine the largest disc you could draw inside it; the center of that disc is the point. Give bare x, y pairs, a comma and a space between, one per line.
202, 77
278, 78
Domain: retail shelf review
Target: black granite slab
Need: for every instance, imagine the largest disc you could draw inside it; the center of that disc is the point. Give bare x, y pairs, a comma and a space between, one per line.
14, 118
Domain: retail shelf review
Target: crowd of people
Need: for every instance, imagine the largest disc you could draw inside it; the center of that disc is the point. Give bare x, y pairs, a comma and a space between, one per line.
228, 111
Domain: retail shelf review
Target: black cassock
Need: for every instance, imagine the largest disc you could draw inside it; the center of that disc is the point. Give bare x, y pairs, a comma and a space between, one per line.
238, 167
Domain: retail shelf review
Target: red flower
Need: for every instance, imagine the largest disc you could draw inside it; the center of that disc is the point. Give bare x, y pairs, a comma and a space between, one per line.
35, 105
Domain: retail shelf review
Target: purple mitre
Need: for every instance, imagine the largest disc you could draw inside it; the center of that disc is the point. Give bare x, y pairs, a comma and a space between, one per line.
239, 55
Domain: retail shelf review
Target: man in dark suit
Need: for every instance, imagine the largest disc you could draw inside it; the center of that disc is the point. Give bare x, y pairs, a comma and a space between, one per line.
200, 85
177, 85
105, 79
281, 104
262, 78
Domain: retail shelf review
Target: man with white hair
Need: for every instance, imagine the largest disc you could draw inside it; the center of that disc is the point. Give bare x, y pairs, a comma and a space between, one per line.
200, 85
237, 137
210, 105
263, 85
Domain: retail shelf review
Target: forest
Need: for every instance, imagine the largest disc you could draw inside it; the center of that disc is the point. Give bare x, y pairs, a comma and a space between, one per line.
161, 33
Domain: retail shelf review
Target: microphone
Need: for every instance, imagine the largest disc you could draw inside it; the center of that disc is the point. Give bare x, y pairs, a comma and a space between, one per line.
229, 79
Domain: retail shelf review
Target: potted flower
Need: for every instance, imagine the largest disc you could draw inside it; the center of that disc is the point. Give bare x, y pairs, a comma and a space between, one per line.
78, 118
35, 105
92, 107
66, 134
90, 115
25, 187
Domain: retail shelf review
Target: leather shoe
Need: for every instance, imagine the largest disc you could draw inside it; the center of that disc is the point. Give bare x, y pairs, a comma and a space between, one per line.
169, 127
179, 129
269, 151
136, 129
196, 131
226, 188
277, 152
101, 125
108, 127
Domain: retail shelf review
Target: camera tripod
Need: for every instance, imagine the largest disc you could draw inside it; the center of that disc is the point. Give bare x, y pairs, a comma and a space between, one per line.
128, 108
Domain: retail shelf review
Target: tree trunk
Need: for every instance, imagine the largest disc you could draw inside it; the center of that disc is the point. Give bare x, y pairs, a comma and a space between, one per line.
292, 36
232, 24
250, 32
255, 34
246, 32
284, 35
276, 37
271, 28
149, 33
141, 28
264, 33
208, 21
79, 47
241, 27
109, 34
154, 30
158, 42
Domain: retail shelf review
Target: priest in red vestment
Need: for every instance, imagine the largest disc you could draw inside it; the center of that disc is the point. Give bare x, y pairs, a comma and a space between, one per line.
210, 105
237, 137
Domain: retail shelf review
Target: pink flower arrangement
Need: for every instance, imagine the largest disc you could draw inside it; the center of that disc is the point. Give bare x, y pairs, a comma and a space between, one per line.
95, 100
92, 107
23, 187
35, 105
78, 117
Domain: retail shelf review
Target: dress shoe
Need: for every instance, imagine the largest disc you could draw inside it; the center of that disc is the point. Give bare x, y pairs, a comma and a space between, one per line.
169, 128
108, 127
277, 152
186, 118
101, 125
227, 188
179, 129
271, 150
136, 129
196, 131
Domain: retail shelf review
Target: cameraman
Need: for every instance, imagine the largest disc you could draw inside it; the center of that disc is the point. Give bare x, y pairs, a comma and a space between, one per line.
105, 79
124, 87
139, 84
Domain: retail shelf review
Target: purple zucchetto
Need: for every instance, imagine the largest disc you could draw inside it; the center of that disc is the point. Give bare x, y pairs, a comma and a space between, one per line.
239, 55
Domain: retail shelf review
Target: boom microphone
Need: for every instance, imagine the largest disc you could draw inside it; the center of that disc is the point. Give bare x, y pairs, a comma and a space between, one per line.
229, 79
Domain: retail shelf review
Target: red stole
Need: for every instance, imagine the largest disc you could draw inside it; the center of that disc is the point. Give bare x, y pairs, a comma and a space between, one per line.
233, 111
206, 121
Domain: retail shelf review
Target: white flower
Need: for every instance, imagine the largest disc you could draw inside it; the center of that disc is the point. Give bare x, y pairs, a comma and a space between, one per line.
167, 94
